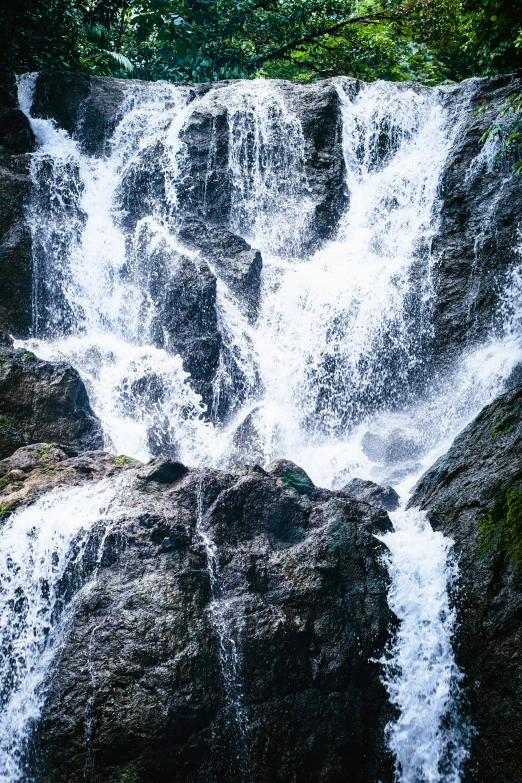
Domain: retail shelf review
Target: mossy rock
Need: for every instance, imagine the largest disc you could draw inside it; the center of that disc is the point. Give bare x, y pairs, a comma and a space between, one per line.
501, 526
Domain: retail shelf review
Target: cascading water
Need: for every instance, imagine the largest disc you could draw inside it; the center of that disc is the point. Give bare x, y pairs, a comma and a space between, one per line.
337, 362
41, 545
224, 619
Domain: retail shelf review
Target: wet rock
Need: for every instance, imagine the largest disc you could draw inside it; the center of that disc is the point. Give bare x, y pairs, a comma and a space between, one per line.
474, 495
186, 322
164, 471
16, 139
247, 444
234, 260
292, 476
43, 401
303, 594
476, 246
396, 446
85, 106
382, 497
16, 134
58, 95
318, 109
36, 469
207, 188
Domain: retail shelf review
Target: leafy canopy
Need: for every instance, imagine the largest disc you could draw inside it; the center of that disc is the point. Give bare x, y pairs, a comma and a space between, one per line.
431, 41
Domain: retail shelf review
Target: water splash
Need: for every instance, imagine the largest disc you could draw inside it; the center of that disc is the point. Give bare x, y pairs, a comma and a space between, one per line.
430, 738
39, 546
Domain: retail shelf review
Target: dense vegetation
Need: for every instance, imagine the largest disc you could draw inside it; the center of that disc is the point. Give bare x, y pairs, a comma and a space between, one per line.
431, 41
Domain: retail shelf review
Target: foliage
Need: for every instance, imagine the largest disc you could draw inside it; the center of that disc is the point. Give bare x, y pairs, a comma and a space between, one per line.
430, 41
502, 525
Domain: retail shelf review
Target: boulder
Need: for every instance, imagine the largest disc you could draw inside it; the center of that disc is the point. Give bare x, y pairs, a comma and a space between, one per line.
382, 497
234, 260
43, 402
228, 630
474, 495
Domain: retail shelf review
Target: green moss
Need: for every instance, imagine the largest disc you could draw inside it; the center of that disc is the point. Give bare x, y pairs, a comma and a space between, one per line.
292, 479
4, 423
501, 526
44, 450
130, 776
28, 356
504, 425
48, 471
124, 460
3, 509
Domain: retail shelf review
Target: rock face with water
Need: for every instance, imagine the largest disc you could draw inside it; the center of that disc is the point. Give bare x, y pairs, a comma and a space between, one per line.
474, 495
43, 402
477, 238
140, 687
16, 141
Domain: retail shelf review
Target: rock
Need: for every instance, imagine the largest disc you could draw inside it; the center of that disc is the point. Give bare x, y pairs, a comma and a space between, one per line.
5, 340
85, 106
317, 106
382, 497
36, 469
292, 476
164, 471
186, 321
58, 95
16, 134
8, 89
234, 260
303, 595
43, 402
207, 188
16, 139
476, 245
391, 448
473, 494
247, 444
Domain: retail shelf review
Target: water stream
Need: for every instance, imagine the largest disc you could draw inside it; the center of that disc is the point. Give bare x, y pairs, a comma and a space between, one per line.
336, 368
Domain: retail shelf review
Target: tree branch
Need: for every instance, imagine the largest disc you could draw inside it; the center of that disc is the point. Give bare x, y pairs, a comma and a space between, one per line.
311, 37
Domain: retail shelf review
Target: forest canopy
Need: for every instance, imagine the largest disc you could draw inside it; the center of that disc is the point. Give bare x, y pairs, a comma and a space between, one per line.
430, 41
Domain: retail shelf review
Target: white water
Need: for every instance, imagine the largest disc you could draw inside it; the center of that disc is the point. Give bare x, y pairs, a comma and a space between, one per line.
39, 544
335, 363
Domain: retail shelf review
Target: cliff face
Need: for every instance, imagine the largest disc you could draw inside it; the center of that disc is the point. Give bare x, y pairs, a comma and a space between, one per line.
473, 494
228, 629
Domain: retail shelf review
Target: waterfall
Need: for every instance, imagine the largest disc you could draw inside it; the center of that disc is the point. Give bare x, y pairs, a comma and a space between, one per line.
40, 552
225, 621
337, 363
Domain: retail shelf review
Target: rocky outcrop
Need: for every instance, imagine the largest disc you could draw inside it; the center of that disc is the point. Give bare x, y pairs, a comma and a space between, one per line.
382, 497
16, 141
234, 260
207, 188
476, 247
43, 402
474, 495
85, 106
227, 631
